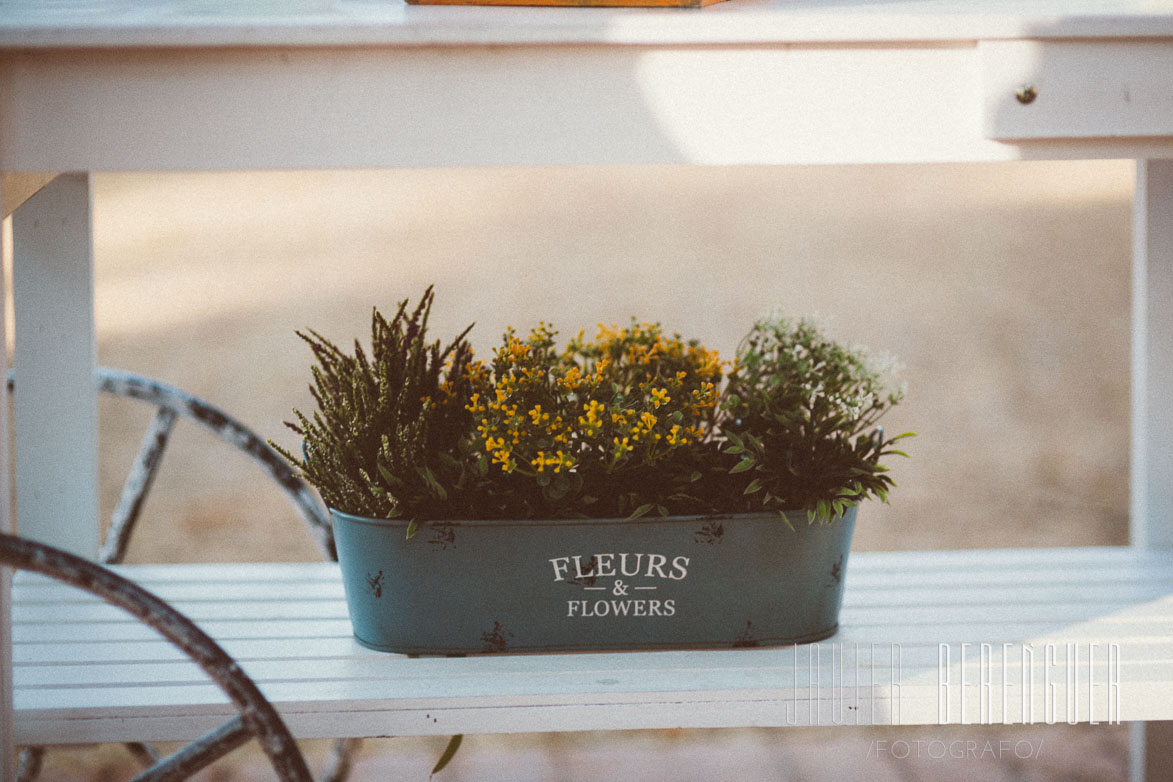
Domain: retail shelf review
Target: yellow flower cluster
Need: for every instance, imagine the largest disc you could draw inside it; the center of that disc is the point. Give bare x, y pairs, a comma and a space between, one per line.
626, 398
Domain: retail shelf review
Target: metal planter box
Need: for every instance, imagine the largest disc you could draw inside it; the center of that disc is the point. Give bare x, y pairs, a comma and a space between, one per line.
652, 583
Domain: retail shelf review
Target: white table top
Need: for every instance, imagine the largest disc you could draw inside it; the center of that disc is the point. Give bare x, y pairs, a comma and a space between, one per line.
193, 23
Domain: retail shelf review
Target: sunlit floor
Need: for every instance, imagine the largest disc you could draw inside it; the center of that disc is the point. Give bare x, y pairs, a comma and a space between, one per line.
1039, 753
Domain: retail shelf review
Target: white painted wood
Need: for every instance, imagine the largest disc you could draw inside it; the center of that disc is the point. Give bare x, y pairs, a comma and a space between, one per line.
82, 676
1084, 89
519, 105
514, 106
7, 742
56, 406
1152, 357
102, 23
1150, 754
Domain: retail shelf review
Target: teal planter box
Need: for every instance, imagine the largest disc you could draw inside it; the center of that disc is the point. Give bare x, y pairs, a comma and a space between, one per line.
651, 583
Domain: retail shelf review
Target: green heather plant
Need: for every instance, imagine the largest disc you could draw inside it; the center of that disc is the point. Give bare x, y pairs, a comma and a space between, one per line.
386, 440
628, 423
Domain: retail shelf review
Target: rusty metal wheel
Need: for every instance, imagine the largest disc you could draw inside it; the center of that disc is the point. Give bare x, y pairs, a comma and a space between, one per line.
257, 717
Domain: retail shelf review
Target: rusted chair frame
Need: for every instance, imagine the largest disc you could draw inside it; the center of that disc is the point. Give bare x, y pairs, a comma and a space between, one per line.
257, 716
171, 403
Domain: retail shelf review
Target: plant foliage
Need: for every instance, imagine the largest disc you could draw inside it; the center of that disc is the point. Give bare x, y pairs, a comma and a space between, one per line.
628, 423
800, 415
389, 434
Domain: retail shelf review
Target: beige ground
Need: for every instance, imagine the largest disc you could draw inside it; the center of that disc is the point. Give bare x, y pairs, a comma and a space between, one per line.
1004, 289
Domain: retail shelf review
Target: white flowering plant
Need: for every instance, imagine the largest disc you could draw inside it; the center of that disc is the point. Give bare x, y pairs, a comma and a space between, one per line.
799, 415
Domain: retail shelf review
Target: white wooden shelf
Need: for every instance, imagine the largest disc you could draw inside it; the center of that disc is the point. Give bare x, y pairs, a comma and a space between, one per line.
87, 672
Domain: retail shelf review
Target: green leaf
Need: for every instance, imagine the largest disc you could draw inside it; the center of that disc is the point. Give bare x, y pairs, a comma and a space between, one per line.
412, 528
642, 510
754, 485
430, 478
449, 753
746, 463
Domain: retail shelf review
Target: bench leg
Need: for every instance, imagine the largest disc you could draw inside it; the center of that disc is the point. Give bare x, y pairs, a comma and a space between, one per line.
56, 408
1152, 356
1150, 757
7, 744
1151, 509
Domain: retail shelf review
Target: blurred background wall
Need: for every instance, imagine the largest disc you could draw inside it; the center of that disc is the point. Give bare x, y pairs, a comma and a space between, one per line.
1002, 288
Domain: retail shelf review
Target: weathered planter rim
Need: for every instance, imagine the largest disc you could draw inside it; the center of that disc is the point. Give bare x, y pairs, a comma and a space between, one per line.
791, 517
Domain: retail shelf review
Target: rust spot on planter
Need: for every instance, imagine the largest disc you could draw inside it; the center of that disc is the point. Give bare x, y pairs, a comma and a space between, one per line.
746, 638
712, 533
443, 536
375, 584
836, 572
494, 640
589, 578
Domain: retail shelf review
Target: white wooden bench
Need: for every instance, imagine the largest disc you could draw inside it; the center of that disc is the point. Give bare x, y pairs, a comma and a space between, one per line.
148, 86
1100, 619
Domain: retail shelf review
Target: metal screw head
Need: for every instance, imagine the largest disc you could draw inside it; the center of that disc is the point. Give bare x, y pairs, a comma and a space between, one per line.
1026, 94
